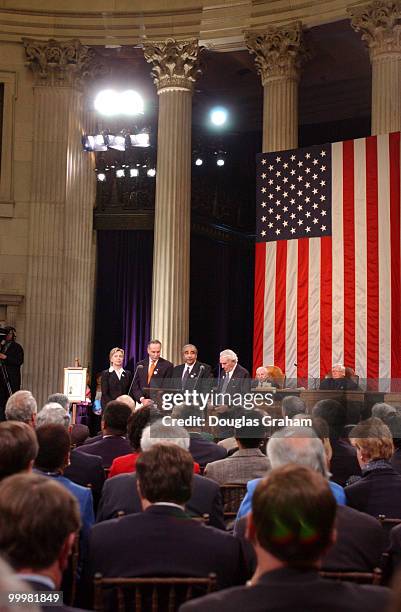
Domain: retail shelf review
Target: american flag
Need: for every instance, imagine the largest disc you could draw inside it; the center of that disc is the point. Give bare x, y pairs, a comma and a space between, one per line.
327, 278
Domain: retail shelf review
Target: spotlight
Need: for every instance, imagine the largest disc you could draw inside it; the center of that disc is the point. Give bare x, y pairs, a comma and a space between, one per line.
140, 140
94, 143
109, 102
218, 116
130, 103
220, 161
106, 102
151, 172
198, 161
133, 172
116, 142
120, 173
101, 177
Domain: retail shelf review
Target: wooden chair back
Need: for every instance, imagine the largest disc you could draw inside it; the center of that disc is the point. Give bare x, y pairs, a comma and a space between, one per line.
155, 594
374, 577
232, 494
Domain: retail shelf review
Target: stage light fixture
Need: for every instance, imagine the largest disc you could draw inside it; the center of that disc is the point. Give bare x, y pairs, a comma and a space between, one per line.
151, 172
120, 173
131, 103
198, 161
101, 177
116, 142
107, 103
140, 140
220, 161
134, 172
218, 116
94, 142
110, 102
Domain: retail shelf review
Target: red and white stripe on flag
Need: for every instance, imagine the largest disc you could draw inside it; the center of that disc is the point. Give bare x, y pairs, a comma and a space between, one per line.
320, 301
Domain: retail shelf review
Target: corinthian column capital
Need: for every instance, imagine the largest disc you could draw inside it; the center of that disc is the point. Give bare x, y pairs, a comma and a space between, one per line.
175, 63
380, 25
278, 51
62, 63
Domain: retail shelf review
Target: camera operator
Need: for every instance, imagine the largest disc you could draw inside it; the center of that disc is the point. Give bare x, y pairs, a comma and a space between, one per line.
11, 360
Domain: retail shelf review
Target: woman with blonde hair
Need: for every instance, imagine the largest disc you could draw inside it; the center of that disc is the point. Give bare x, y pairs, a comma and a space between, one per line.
115, 381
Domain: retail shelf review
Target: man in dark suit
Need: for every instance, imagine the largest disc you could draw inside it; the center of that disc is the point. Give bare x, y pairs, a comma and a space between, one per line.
291, 526
360, 540
152, 373
11, 360
163, 540
338, 381
39, 539
236, 379
120, 492
192, 374
114, 442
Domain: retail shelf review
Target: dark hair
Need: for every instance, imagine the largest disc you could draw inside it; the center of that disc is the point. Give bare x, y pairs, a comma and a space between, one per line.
18, 447
54, 446
293, 513
37, 514
165, 473
320, 427
138, 421
334, 413
251, 436
115, 417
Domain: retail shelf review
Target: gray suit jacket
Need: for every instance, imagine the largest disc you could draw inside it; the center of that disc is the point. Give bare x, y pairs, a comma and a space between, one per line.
243, 465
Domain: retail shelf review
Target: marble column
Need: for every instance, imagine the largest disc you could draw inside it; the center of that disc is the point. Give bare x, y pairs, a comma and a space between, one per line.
60, 274
175, 68
278, 54
380, 25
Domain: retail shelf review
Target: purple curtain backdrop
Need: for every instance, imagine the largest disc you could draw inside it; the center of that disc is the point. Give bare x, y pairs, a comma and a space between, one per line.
123, 295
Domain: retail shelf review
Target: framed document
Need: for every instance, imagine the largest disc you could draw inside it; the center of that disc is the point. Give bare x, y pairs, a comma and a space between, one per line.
75, 384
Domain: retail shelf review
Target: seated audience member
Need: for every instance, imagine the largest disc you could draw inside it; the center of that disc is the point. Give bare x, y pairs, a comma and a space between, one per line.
136, 424
299, 445
79, 432
202, 450
394, 549
246, 463
291, 526
39, 521
52, 458
163, 539
383, 411
261, 380
10, 583
113, 442
378, 491
21, 406
120, 493
343, 462
292, 405
338, 381
85, 470
18, 448
127, 399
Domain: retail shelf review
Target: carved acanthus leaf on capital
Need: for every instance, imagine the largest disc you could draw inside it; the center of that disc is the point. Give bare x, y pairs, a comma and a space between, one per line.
175, 63
380, 25
62, 63
279, 51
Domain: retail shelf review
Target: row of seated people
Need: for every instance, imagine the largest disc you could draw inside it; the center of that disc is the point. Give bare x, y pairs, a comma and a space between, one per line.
358, 544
